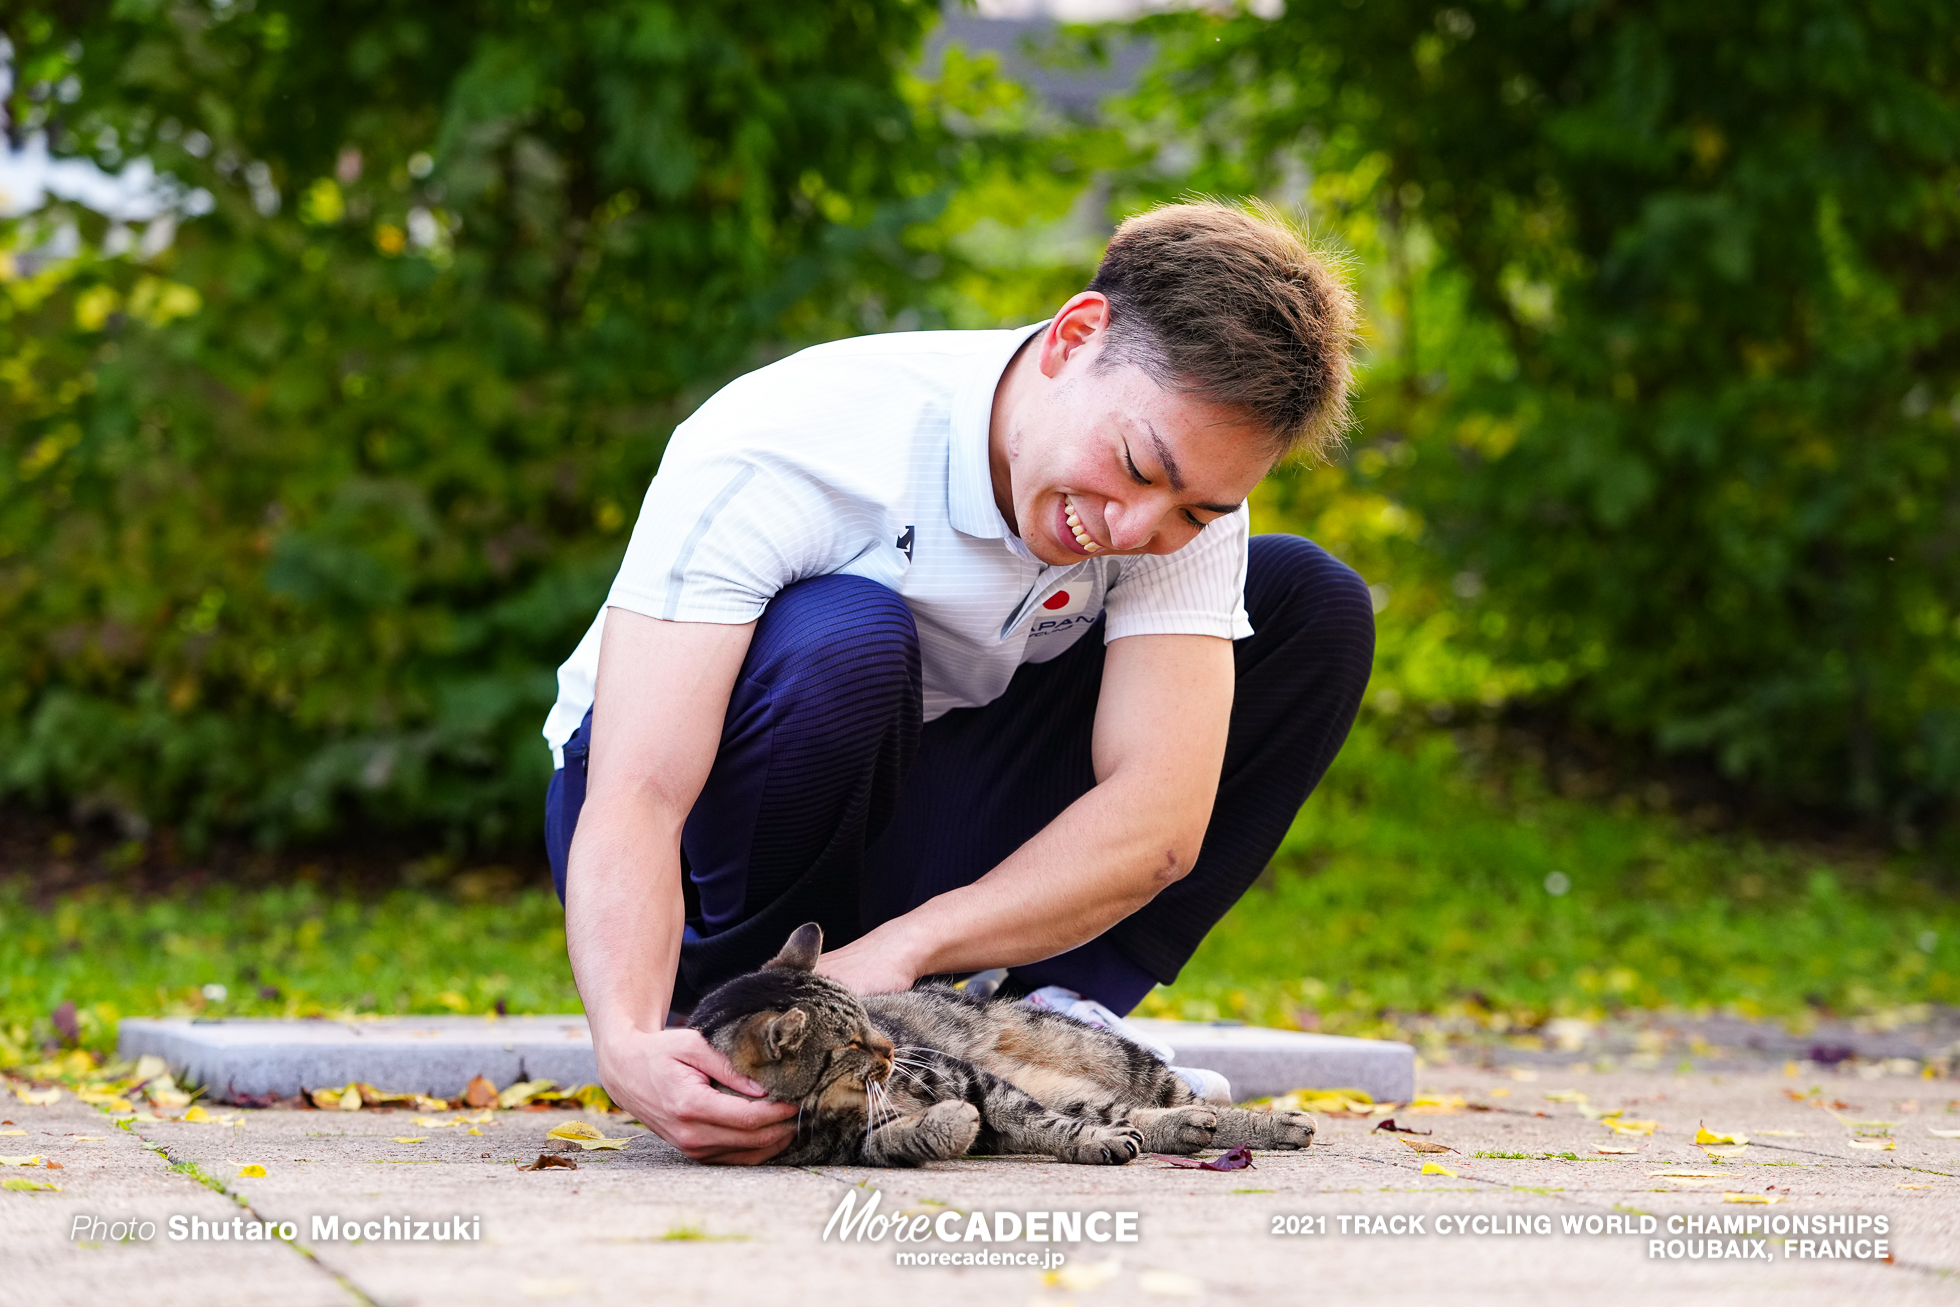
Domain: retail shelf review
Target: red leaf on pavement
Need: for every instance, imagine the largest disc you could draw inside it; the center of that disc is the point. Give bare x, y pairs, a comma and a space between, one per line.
1237, 1159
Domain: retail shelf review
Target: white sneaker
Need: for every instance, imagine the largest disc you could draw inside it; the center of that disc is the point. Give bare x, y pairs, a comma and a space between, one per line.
1209, 1086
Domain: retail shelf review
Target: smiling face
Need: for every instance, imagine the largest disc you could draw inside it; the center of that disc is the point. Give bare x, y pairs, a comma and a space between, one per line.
1091, 457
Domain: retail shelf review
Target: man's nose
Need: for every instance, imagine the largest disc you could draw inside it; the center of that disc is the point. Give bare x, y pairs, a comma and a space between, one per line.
1131, 525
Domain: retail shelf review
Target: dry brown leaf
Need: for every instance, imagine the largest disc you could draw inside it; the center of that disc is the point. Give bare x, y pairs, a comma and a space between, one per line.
546, 1161
480, 1093
1424, 1145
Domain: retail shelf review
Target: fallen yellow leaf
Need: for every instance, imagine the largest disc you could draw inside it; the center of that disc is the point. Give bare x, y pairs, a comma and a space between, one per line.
38, 1097
1703, 1135
1874, 1145
12, 1132
1943, 1134
1564, 1096
1912, 1186
575, 1130
1170, 1284
473, 1130
327, 1100
1082, 1279
1753, 1198
196, 1115
1432, 1104
523, 1092
28, 1186
350, 1099
251, 1169
1615, 1150
20, 1161
1625, 1127
120, 1105
1431, 1168
594, 1098
411, 1139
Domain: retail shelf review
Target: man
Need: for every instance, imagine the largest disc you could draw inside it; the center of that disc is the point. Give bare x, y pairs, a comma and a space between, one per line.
955, 643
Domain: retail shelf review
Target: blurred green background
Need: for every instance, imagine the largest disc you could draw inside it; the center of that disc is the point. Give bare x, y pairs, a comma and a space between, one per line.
310, 479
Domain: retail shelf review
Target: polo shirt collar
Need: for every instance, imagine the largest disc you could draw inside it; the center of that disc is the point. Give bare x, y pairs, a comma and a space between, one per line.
970, 481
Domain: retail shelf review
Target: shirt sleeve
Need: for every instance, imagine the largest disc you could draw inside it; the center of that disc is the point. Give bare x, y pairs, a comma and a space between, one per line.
721, 534
1199, 590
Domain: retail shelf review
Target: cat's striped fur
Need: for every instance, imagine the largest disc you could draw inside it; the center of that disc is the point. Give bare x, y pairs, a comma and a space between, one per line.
900, 1079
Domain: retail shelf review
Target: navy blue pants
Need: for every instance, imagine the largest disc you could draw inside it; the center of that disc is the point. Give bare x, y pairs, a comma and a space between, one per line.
830, 802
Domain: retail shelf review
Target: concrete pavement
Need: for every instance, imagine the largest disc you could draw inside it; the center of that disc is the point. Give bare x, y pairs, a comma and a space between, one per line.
643, 1223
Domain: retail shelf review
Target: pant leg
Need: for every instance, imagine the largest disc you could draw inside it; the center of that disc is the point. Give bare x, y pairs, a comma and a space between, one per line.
988, 779
820, 729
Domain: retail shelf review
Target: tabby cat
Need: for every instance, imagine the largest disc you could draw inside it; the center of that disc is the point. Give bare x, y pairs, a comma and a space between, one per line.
901, 1079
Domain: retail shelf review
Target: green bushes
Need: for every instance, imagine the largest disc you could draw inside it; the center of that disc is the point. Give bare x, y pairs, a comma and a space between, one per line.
297, 518
1668, 346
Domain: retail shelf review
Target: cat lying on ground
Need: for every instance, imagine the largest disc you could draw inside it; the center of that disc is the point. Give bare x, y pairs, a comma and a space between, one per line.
900, 1079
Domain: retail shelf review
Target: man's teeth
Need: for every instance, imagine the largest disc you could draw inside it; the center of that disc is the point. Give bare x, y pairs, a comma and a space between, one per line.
1075, 525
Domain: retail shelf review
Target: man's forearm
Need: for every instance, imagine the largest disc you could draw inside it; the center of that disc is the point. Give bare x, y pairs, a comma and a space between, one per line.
623, 917
1107, 854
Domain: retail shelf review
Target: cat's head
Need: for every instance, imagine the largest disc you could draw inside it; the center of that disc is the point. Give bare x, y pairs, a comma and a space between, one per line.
791, 1030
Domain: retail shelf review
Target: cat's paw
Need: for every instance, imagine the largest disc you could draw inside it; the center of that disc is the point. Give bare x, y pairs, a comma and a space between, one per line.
950, 1127
1177, 1129
1287, 1130
1104, 1145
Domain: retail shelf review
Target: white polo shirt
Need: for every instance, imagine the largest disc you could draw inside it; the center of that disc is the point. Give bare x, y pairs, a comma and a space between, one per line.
868, 457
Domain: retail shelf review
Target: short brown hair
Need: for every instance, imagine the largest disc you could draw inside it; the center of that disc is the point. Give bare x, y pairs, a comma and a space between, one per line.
1231, 303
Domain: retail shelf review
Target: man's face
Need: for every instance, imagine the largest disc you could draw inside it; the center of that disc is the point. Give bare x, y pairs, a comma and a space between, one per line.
1103, 460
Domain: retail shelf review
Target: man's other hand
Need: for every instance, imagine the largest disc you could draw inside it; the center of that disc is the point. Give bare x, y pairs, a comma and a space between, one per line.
663, 1080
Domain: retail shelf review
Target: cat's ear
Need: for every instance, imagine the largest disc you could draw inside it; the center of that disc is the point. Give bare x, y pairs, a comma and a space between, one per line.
802, 951
784, 1034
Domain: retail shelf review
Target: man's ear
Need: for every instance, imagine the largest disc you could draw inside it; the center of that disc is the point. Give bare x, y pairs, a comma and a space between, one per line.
785, 1033
802, 951
1077, 323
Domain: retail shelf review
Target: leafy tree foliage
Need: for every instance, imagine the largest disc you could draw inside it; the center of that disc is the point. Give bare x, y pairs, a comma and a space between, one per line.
1671, 357
298, 514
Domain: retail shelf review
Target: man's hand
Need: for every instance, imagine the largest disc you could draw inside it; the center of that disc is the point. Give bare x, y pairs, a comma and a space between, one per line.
663, 1080
868, 966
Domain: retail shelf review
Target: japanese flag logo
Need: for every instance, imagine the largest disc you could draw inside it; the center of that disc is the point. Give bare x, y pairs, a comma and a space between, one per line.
1065, 602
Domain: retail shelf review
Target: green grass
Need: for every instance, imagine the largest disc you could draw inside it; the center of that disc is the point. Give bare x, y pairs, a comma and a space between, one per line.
1410, 884
278, 952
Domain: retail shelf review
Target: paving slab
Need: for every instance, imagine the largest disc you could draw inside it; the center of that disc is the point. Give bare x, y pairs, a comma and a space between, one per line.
440, 1055
62, 1245
1261, 1062
645, 1223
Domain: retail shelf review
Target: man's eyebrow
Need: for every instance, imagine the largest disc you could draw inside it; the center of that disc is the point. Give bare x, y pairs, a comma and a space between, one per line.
1175, 477
1164, 457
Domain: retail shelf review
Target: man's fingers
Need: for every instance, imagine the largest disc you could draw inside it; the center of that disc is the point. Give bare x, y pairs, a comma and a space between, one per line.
707, 1059
710, 1108
710, 1144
